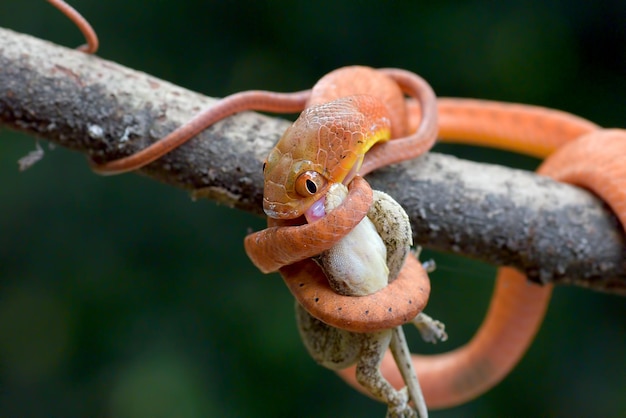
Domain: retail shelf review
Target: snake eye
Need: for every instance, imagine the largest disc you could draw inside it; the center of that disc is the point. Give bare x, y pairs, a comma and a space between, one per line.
309, 183
264, 165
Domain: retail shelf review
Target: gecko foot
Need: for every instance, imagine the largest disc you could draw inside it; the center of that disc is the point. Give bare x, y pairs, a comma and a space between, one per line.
401, 408
431, 330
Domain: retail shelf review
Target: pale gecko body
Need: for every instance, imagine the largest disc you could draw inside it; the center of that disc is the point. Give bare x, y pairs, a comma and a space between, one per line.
360, 264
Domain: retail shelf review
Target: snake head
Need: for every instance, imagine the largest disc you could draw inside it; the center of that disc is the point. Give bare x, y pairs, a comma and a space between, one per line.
325, 145
291, 187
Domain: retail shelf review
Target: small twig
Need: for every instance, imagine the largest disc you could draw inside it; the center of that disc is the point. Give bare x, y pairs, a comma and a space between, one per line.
554, 232
32, 158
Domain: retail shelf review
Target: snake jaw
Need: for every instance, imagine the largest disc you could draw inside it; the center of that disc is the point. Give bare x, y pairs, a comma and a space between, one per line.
270, 210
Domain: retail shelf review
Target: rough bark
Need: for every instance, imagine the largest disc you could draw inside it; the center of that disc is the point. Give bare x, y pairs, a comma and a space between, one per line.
554, 232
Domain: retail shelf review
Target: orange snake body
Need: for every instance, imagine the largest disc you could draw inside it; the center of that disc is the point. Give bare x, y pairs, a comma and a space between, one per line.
576, 149
577, 152
517, 306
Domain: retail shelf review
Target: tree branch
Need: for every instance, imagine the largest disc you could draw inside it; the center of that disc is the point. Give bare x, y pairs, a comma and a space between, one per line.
554, 232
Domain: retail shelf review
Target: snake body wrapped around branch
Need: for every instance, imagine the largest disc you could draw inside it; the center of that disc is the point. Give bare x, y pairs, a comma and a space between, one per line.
368, 111
517, 306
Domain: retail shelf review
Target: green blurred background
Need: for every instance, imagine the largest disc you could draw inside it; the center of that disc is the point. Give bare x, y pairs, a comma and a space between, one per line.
120, 297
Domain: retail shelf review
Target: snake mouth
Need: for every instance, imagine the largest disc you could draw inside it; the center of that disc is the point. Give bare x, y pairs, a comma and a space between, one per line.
285, 212
279, 211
